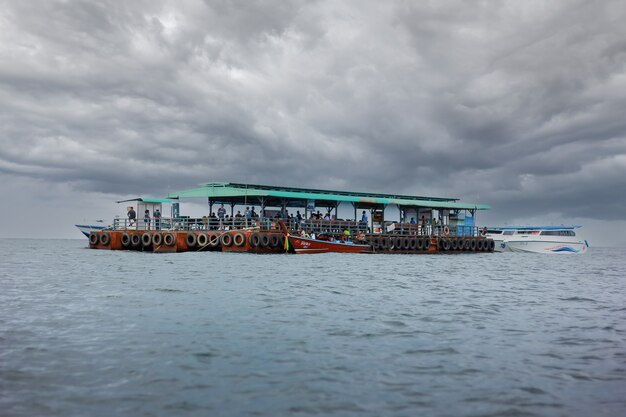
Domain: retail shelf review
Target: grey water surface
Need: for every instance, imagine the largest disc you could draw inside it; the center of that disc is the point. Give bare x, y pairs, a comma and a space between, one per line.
114, 333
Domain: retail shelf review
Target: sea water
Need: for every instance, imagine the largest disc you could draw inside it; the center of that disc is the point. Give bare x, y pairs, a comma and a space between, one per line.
116, 333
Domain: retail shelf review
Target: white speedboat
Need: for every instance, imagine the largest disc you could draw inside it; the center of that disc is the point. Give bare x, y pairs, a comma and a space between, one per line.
537, 239
86, 229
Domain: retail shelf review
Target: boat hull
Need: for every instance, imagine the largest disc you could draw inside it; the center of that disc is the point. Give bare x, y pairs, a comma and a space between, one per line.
302, 245
86, 229
541, 246
499, 243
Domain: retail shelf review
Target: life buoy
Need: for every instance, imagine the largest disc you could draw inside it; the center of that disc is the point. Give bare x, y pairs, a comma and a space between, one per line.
125, 239
146, 239
226, 239
93, 238
265, 240
105, 238
446, 230
169, 239
483, 232
255, 240
157, 239
214, 240
191, 240
202, 239
239, 239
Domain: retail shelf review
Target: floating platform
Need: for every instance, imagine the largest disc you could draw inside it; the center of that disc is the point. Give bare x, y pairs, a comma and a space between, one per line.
272, 242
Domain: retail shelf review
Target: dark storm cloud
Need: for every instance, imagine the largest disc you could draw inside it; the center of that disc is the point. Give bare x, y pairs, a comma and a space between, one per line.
514, 104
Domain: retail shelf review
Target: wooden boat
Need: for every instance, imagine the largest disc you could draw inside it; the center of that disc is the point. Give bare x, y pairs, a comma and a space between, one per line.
308, 245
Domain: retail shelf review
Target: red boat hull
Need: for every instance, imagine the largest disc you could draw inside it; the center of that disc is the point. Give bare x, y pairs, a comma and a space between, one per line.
306, 245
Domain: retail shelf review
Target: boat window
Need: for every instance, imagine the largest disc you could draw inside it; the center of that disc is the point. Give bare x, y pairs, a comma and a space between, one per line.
507, 232
558, 233
494, 232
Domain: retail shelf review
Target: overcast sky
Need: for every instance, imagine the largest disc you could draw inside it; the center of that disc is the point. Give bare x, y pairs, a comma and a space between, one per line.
520, 105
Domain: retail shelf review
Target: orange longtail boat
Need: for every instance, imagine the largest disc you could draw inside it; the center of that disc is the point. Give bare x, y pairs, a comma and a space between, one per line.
308, 245
302, 244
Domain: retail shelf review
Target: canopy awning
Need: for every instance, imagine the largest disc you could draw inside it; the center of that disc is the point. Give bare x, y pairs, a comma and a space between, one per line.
146, 200
220, 192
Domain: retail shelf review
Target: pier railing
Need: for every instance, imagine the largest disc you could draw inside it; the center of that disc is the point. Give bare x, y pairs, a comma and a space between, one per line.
309, 226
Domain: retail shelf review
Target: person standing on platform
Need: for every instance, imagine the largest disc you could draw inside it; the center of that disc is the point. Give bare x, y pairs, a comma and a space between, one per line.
132, 216
248, 215
146, 219
157, 219
221, 212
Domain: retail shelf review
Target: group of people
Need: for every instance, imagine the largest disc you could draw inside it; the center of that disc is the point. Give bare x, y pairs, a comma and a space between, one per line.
132, 218
221, 220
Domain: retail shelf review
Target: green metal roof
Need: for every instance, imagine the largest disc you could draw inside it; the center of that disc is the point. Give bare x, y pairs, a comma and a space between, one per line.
221, 192
146, 200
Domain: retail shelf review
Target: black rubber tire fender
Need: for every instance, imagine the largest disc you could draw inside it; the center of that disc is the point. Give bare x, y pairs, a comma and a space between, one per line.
146, 239
214, 240
202, 239
169, 239
255, 240
191, 239
125, 239
226, 239
239, 239
93, 238
157, 239
105, 238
